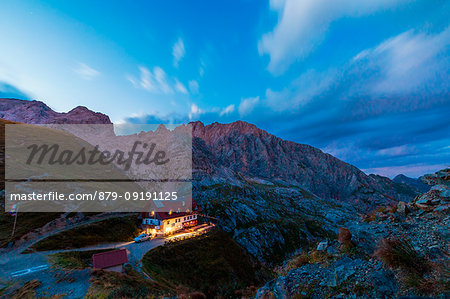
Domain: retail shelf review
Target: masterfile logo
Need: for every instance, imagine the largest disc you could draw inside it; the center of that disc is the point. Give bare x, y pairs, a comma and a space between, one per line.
52, 154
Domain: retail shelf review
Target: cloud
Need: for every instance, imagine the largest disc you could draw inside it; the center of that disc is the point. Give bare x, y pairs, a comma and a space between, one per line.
302, 26
180, 87
227, 110
301, 91
178, 51
86, 72
395, 76
201, 68
195, 111
193, 86
408, 62
156, 81
396, 151
247, 105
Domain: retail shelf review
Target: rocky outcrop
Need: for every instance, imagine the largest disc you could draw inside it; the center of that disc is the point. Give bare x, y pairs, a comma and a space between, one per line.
438, 198
36, 112
336, 272
345, 278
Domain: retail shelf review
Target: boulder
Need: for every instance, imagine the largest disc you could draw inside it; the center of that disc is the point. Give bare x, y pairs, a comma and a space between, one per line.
322, 245
344, 235
401, 208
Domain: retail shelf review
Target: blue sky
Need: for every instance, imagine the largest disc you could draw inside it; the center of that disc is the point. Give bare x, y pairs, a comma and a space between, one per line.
367, 81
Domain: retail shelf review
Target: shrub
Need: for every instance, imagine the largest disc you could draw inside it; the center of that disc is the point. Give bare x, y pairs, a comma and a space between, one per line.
434, 283
399, 253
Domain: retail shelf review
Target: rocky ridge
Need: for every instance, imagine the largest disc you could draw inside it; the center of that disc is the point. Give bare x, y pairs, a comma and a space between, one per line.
36, 112
240, 147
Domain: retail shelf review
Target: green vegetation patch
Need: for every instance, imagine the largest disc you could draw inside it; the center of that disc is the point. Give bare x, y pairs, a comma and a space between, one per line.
118, 229
214, 264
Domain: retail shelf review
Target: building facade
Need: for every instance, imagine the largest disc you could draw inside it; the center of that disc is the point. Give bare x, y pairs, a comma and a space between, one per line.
167, 223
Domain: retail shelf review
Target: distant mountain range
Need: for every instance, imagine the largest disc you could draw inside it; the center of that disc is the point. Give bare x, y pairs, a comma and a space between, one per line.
273, 195
415, 183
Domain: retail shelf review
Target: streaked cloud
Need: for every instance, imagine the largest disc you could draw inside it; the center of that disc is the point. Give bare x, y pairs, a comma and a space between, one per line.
302, 26
86, 72
156, 81
201, 68
178, 51
409, 61
180, 87
227, 110
247, 105
193, 86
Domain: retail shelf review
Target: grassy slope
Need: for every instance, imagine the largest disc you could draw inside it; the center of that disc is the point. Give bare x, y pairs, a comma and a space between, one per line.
72, 260
131, 284
213, 264
120, 229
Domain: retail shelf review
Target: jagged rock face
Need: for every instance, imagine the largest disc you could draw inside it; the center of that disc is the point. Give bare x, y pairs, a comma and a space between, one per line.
438, 198
242, 148
267, 192
415, 183
36, 112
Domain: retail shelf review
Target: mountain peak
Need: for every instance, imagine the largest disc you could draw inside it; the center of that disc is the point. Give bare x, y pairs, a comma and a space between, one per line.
79, 109
217, 130
36, 112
